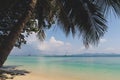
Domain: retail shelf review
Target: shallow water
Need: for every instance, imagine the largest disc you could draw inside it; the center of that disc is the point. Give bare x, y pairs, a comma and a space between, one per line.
70, 68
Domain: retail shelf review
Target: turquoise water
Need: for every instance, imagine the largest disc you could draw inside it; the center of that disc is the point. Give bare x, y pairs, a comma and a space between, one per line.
106, 68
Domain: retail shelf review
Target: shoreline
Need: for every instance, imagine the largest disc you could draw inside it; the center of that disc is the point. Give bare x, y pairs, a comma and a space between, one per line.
34, 76
66, 68
51, 76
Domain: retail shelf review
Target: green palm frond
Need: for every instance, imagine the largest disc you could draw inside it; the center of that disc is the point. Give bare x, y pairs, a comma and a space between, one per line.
41, 35
5, 4
44, 13
107, 5
83, 17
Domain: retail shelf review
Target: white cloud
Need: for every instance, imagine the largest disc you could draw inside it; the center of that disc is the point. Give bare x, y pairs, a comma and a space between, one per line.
54, 46
103, 40
55, 42
29, 48
110, 49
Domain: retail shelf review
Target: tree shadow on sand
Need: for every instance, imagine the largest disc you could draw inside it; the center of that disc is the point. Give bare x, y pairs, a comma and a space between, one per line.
9, 72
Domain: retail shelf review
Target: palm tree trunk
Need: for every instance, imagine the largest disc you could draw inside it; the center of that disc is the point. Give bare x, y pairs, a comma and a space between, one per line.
10, 41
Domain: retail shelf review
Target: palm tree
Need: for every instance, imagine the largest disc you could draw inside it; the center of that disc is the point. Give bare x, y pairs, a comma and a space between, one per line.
12, 35
83, 17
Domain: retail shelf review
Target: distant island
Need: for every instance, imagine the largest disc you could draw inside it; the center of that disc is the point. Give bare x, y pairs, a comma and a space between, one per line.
75, 55
87, 55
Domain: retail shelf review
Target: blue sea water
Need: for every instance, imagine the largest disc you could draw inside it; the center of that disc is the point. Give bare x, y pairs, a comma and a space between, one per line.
95, 68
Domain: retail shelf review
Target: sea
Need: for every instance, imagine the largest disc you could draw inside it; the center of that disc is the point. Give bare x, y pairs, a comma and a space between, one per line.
70, 68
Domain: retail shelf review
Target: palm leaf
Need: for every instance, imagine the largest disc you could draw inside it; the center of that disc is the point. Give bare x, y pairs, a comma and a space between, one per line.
83, 17
107, 5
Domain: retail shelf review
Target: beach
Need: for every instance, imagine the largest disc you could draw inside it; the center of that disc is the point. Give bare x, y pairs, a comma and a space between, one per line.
67, 68
33, 76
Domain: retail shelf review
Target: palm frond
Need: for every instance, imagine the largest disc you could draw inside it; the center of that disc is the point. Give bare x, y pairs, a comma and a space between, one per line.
41, 35
44, 13
83, 17
107, 5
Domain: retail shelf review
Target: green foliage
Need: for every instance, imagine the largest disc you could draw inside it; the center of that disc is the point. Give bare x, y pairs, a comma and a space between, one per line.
85, 17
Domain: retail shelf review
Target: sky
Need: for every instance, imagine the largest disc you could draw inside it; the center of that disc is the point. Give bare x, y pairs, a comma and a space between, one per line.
57, 43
